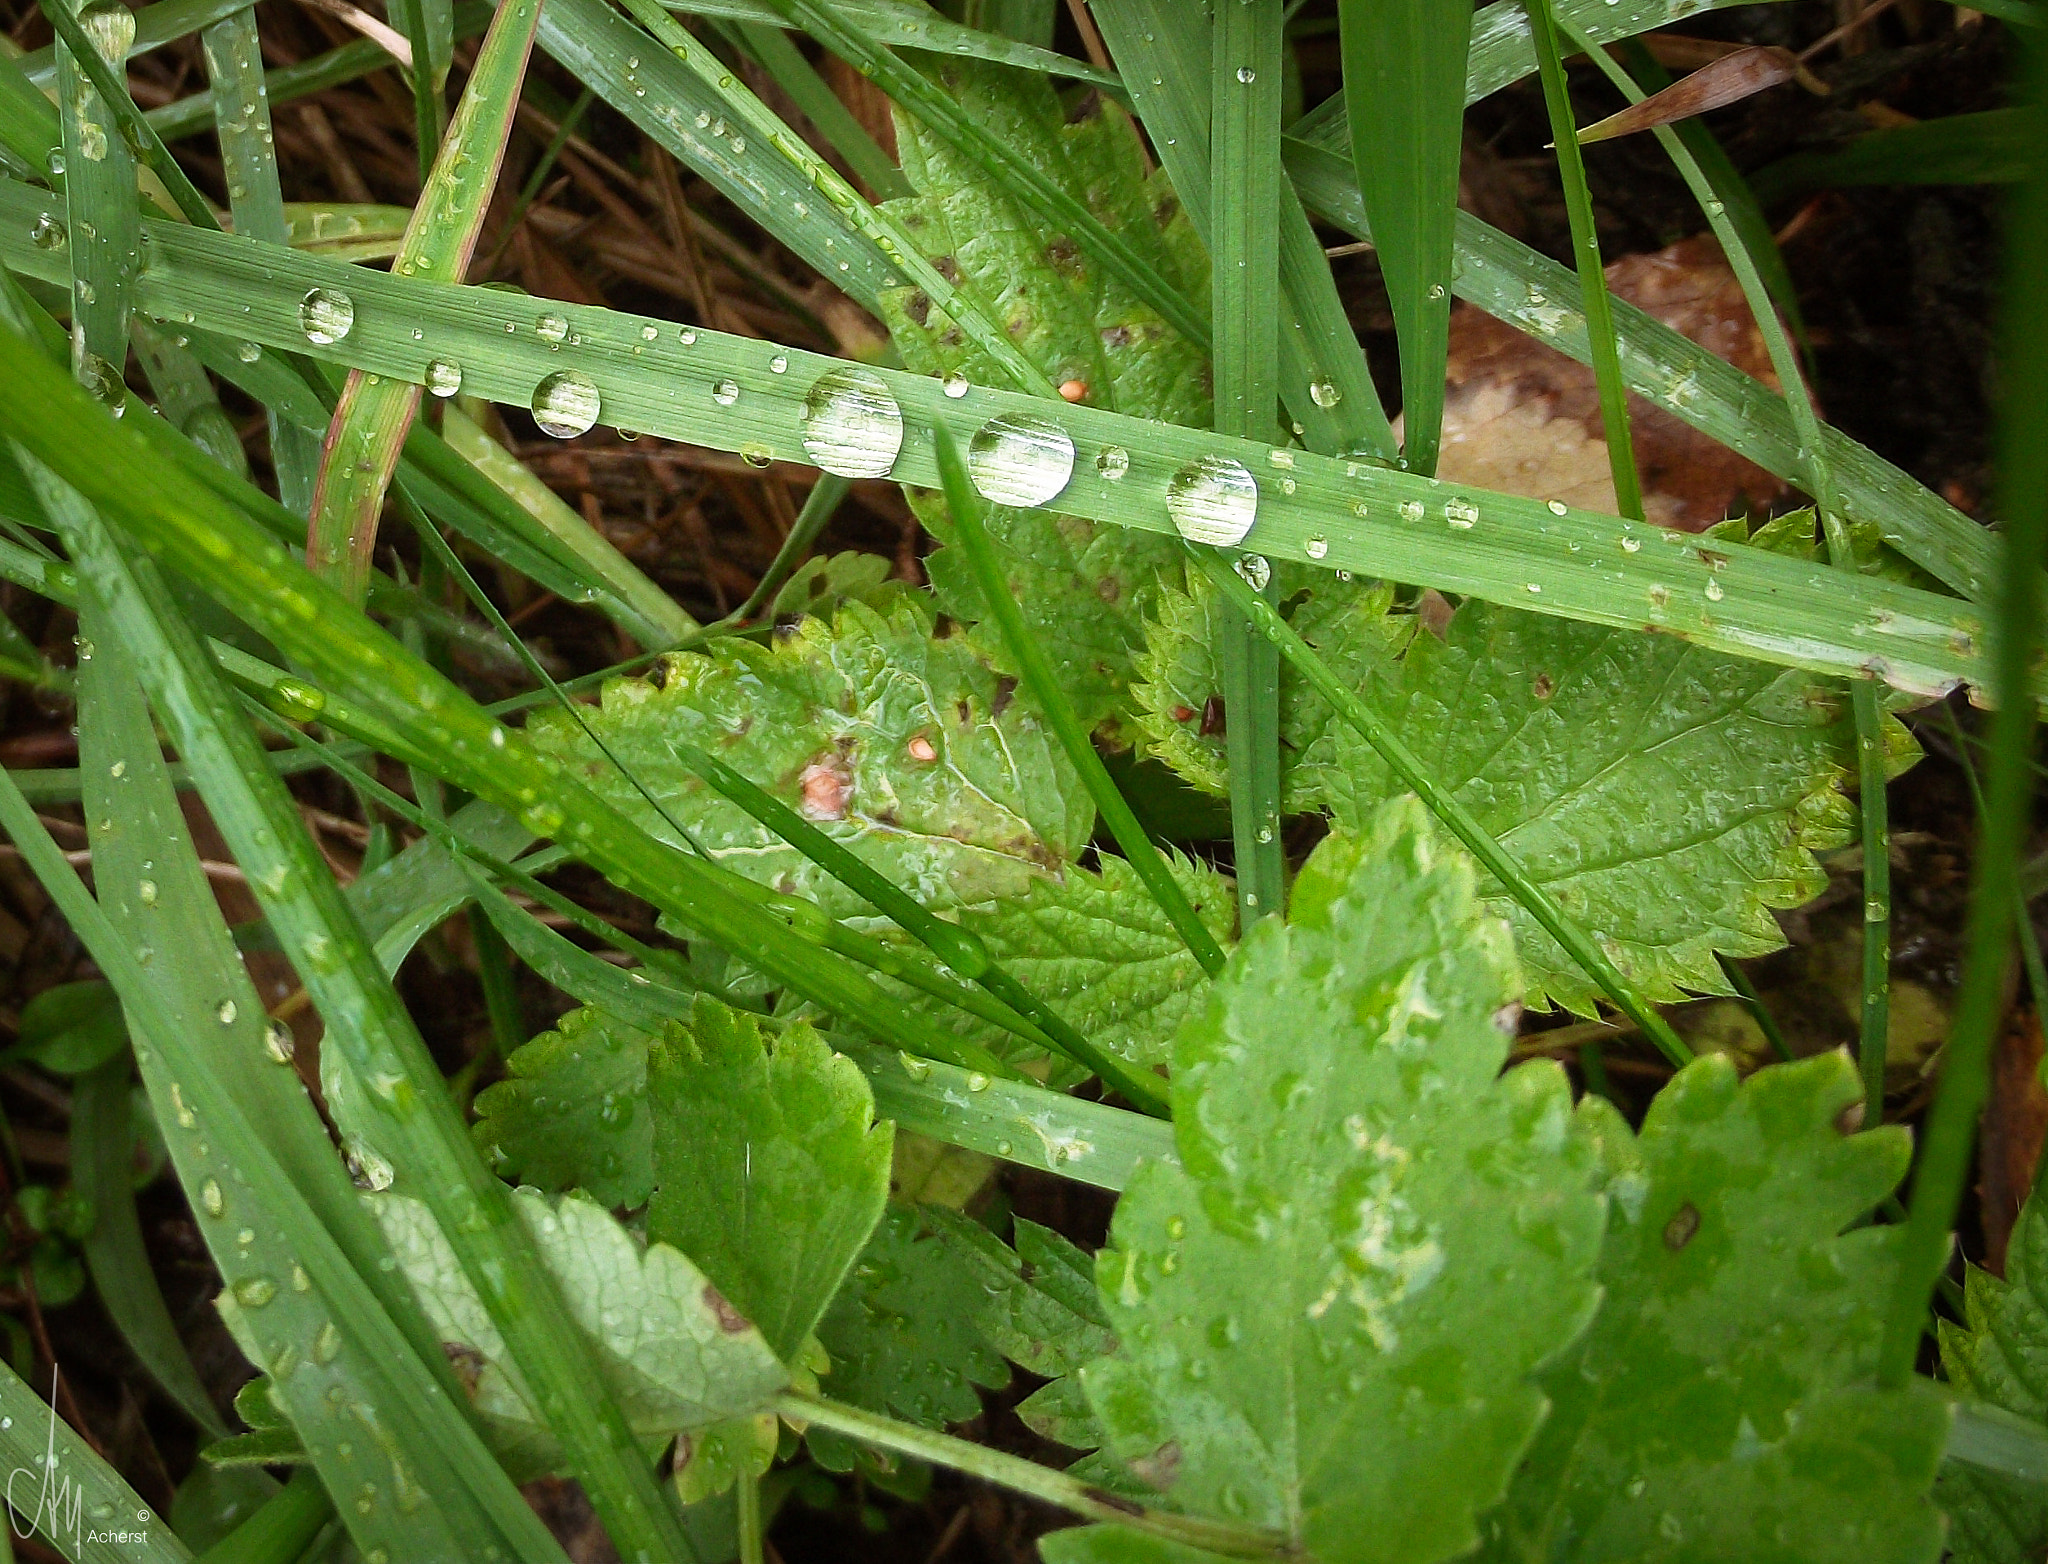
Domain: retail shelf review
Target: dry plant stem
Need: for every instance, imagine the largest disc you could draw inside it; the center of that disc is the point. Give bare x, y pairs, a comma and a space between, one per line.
1028, 1477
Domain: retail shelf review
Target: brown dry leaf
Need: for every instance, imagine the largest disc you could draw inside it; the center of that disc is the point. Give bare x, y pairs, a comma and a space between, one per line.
1524, 419
2015, 1122
1734, 76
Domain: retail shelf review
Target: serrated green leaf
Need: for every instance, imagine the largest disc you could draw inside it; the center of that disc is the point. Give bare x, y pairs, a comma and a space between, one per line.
676, 1354
1999, 1354
1721, 1407
1313, 1337
819, 585
901, 1333
1085, 589
1628, 773
771, 1171
1122, 975
572, 1111
898, 742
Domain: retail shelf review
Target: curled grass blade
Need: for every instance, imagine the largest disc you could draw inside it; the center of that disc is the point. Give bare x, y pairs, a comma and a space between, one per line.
372, 417
1403, 63
1578, 203
1495, 859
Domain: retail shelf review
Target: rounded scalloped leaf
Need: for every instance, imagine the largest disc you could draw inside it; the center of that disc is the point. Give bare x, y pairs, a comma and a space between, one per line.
571, 1112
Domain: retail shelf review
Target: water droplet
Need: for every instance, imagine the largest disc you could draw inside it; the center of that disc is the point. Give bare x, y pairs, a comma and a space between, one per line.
111, 27
725, 393
977, 1082
687, 337
46, 233
752, 453
852, 427
1411, 510
211, 1199
1461, 513
955, 385
1113, 463
1555, 507
1247, 75
327, 1345
443, 378
1020, 459
565, 404
649, 332
279, 1041
296, 699
1316, 547
325, 315
369, 1170
104, 381
1213, 500
225, 1012
55, 161
917, 1069
1255, 569
1631, 545
255, 1291
1436, 290
777, 364
1714, 593
1324, 394
551, 328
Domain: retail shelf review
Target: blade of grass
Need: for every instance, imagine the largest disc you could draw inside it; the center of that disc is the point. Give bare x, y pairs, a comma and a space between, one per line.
102, 218
1494, 858
1404, 61
1244, 287
1516, 551
1944, 1159
283, 1529
1512, 283
28, 122
931, 104
429, 104
821, 106
186, 398
1578, 204
1042, 684
374, 414
103, 1170
1871, 756
248, 153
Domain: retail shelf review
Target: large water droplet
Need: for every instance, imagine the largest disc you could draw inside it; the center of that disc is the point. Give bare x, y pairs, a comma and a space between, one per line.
104, 381
46, 233
210, 1197
1324, 394
1020, 459
852, 425
327, 1345
1113, 463
279, 1041
111, 27
1256, 571
444, 378
1316, 547
551, 328
325, 315
565, 404
1213, 500
955, 385
255, 1291
725, 393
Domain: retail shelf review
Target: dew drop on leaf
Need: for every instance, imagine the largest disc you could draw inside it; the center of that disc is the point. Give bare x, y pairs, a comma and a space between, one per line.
279, 1041
725, 393
1020, 459
325, 315
46, 233
210, 1197
111, 27
852, 426
955, 385
565, 404
1213, 500
1324, 394
1113, 463
444, 378
551, 328
1316, 547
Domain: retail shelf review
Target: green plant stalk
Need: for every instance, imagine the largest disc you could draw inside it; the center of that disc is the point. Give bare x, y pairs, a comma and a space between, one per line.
374, 414
186, 397
1494, 858
129, 127
2023, 506
1759, 1011
821, 106
1875, 1028
817, 178
1028, 1477
747, 1502
429, 108
241, 117
1043, 685
1404, 61
432, 722
1244, 200
282, 1529
946, 118
1578, 205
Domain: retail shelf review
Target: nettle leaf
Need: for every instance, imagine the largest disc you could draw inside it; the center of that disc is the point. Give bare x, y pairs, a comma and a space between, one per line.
900, 742
1085, 589
2000, 1355
1723, 1406
676, 1353
1043, 1313
1097, 946
1669, 797
771, 1169
1311, 1306
572, 1111
901, 1334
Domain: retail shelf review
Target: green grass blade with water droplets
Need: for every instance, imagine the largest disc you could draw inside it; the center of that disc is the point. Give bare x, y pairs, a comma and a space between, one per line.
1517, 551
1323, 375
373, 415
28, 123
1494, 858
1244, 288
916, 27
1513, 283
794, 74
945, 118
248, 153
1578, 204
101, 216
1404, 63
186, 398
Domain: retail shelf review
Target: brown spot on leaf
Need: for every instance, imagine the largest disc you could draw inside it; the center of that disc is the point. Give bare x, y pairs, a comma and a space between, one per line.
1074, 390
947, 268
921, 748
1109, 589
1543, 686
827, 785
1183, 714
730, 1320
1160, 1469
1006, 691
1679, 1230
918, 307
1713, 559
1213, 721
1116, 336
467, 1362
1114, 1501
